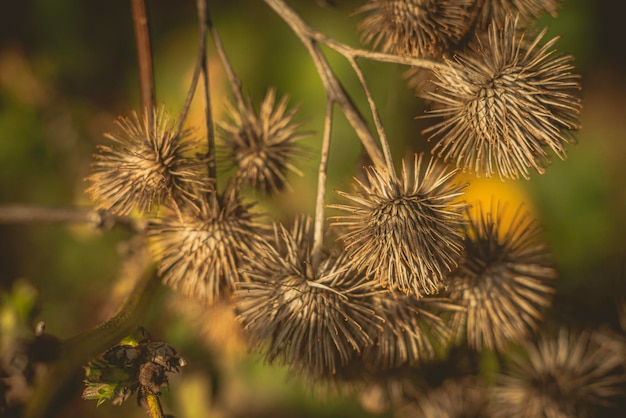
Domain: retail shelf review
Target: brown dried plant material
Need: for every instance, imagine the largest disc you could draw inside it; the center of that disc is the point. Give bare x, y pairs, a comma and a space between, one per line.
503, 104
412, 332
419, 28
200, 253
454, 398
559, 377
405, 232
147, 163
311, 318
504, 281
262, 144
497, 11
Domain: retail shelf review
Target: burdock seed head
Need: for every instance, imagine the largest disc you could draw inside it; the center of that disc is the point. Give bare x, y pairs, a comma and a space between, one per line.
405, 232
421, 28
200, 253
412, 332
262, 144
504, 104
311, 318
504, 280
560, 377
454, 398
497, 11
147, 163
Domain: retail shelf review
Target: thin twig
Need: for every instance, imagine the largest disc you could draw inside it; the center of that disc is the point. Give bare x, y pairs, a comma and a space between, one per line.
318, 231
144, 57
334, 89
234, 81
200, 58
208, 114
350, 52
377, 122
310, 38
24, 214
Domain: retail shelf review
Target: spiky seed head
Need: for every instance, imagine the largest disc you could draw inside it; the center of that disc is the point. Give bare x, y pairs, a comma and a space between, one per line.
561, 376
412, 332
504, 279
454, 398
497, 11
405, 232
262, 144
504, 104
311, 318
147, 163
421, 28
200, 253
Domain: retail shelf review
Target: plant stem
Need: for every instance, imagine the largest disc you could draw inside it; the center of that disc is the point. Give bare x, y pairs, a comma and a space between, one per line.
80, 349
377, 122
350, 52
333, 86
152, 403
234, 81
144, 57
318, 231
208, 115
23, 214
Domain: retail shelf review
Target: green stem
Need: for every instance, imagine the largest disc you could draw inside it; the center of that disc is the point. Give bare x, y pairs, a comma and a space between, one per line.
80, 349
152, 403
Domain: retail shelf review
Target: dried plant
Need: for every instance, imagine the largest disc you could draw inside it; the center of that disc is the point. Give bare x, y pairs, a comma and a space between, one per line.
149, 162
504, 281
200, 253
413, 330
454, 398
561, 376
503, 104
497, 11
311, 318
262, 144
399, 297
421, 28
405, 232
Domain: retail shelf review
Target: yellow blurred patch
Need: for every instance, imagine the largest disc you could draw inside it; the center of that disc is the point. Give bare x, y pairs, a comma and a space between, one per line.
490, 193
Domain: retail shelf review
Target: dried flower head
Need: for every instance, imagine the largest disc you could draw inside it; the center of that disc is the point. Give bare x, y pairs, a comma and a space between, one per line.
412, 331
405, 232
421, 28
201, 252
148, 163
560, 377
454, 398
311, 318
504, 279
497, 11
504, 104
262, 145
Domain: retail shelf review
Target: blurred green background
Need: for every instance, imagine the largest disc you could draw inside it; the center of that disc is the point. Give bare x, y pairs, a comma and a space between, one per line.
68, 69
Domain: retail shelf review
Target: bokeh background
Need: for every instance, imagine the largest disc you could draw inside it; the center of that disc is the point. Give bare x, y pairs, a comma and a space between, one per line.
68, 70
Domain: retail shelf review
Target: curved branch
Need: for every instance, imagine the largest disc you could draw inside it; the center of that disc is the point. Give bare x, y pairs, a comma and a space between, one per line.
80, 349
